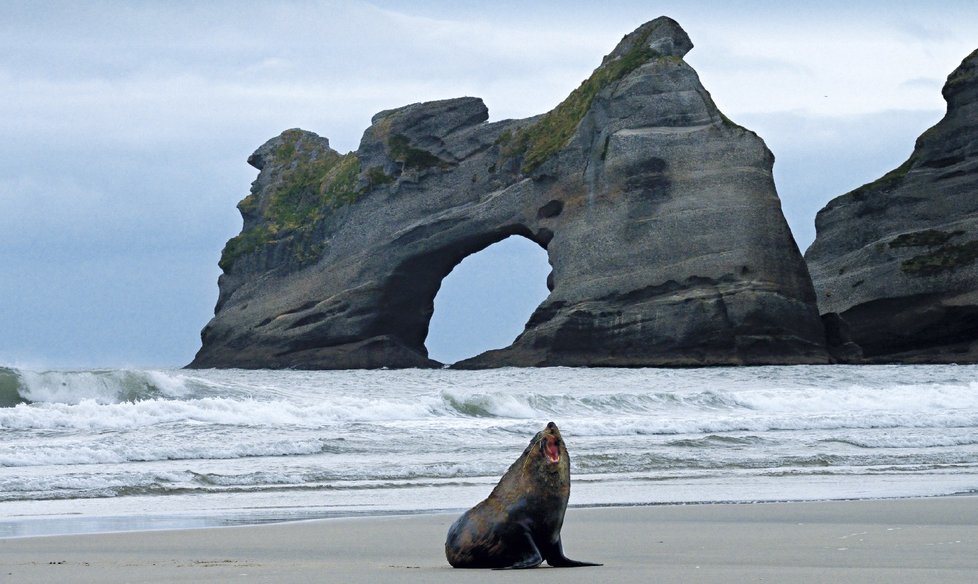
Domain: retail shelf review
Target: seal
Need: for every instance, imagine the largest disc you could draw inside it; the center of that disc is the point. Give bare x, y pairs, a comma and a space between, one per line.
518, 525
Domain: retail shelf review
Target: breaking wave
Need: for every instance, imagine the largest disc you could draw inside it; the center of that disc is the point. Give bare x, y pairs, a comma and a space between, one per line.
19, 386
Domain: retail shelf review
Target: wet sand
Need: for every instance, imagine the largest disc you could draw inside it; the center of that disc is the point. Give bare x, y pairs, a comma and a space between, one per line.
896, 541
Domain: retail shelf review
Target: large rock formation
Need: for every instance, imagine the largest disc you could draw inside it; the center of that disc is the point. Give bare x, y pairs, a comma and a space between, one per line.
659, 216
896, 258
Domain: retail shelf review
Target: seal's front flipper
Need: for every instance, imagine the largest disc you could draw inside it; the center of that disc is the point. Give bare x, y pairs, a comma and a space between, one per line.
556, 558
531, 559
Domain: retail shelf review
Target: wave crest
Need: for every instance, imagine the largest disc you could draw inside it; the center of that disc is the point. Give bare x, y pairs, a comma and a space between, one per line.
110, 386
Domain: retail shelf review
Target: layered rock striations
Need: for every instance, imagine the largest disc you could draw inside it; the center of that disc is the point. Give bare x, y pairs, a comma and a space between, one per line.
659, 216
897, 259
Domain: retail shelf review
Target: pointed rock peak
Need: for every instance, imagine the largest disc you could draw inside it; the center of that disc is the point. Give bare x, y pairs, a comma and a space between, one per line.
663, 36
962, 83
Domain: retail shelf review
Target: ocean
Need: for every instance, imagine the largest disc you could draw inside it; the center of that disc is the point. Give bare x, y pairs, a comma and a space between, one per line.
133, 449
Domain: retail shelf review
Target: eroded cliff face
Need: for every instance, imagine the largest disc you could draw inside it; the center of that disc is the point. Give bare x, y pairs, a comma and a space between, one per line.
658, 214
897, 258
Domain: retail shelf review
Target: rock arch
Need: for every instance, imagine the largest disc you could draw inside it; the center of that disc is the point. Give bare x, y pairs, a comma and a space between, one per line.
486, 300
659, 215
409, 293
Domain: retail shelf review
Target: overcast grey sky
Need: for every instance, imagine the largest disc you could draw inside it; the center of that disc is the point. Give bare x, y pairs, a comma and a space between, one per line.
126, 128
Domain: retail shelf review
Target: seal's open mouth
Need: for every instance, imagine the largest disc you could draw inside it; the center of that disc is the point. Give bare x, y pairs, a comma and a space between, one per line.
551, 449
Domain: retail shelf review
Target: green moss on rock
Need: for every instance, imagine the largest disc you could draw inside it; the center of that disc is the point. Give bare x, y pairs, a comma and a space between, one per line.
246, 242
310, 187
885, 182
947, 258
376, 176
311, 190
340, 185
965, 74
248, 205
400, 149
538, 142
927, 237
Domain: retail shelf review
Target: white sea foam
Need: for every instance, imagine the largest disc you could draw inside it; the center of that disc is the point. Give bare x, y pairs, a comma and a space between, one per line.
390, 439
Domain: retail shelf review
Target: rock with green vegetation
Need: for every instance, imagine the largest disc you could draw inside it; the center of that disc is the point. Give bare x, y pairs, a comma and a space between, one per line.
303, 181
897, 259
659, 216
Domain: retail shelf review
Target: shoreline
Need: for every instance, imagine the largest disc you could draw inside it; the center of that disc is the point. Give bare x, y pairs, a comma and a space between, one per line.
893, 540
16, 527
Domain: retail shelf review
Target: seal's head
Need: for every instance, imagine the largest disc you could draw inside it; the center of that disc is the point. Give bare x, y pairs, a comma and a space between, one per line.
548, 453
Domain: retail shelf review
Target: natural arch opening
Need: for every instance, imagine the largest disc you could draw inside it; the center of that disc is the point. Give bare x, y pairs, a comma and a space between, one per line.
485, 301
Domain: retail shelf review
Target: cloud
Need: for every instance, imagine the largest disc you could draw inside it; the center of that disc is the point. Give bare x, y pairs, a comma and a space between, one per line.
925, 32
837, 71
925, 83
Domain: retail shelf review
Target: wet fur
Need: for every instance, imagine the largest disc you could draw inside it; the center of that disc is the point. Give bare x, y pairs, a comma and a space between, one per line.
518, 525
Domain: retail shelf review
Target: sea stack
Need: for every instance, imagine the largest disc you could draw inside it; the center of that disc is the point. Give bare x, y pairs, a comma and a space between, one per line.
659, 216
896, 260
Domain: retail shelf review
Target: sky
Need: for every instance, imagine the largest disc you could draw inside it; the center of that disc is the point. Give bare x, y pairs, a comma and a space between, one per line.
126, 127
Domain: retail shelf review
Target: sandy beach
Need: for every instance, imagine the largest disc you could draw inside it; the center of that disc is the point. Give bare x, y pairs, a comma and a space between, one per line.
910, 540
